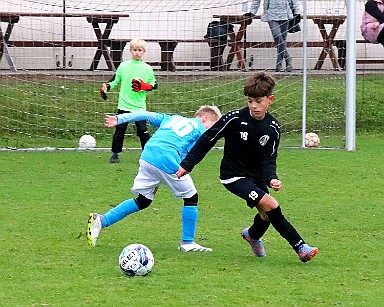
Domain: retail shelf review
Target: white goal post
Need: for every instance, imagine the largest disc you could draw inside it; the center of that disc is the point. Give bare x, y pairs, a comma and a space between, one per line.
351, 79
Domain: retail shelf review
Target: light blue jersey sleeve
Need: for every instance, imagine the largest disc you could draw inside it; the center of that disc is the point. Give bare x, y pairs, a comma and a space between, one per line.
172, 141
153, 118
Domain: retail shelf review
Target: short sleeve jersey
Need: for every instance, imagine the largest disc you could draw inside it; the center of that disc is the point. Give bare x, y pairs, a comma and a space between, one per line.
172, 140
130, 100
250, 148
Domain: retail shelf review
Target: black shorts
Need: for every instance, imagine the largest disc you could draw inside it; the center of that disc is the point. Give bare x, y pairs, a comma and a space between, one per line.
250, 190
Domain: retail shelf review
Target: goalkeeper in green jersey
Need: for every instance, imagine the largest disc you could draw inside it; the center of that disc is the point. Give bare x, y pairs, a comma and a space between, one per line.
136, 78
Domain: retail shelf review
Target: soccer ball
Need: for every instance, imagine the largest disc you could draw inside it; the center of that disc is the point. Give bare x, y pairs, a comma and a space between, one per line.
136, 260
87, 141
312, 140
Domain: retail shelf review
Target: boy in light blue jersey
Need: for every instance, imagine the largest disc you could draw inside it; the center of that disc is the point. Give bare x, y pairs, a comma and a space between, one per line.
159, 162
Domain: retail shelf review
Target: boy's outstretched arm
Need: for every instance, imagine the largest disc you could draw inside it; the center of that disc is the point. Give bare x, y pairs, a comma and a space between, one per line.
153, 118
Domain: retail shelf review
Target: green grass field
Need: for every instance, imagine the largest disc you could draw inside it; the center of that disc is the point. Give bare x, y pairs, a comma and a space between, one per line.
333, 197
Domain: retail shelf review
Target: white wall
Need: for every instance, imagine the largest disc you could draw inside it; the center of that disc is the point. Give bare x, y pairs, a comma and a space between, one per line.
157, 19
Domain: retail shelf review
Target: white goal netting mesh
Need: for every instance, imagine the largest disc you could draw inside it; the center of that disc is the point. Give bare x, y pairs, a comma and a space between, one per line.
53, 63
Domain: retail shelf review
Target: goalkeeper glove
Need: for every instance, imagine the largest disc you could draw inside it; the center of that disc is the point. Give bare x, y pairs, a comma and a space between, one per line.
103, 90
139, 85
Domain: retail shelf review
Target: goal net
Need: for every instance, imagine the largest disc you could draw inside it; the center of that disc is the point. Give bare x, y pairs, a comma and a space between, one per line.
53, 63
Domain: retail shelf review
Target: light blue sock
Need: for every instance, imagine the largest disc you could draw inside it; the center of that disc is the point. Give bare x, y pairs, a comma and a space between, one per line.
119, 212
189, 216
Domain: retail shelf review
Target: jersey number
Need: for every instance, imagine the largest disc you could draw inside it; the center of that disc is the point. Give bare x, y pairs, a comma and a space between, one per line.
244, 135
181, 126
253, 195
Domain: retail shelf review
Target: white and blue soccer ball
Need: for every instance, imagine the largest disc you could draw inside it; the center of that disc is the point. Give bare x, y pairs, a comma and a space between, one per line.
136, 260
87, 141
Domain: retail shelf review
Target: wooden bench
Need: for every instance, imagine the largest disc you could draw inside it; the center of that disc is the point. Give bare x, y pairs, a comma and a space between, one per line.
319, 44
12, 18
81, 44
116, 46
167, 48
341, 46
321, 21
342, 53
370, 60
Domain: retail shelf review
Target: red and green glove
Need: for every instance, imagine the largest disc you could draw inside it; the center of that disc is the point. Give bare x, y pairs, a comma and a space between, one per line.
103, 90
139, 85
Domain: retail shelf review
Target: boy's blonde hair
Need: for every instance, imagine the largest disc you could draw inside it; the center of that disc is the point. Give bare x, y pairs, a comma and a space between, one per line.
212, 111
137, 43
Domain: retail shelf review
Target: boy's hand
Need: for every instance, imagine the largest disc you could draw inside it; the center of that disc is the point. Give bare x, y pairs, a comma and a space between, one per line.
181, 172
110, 121
103, 90
139, 85
276, 184
375, 25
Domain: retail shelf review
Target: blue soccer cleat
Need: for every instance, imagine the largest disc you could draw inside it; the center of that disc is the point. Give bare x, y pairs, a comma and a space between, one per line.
256, 245
306, 252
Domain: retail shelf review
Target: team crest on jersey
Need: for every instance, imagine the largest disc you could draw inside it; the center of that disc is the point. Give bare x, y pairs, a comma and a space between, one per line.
264, 139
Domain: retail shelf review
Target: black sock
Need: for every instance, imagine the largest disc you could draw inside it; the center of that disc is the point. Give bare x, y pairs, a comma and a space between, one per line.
285, 229
259, 227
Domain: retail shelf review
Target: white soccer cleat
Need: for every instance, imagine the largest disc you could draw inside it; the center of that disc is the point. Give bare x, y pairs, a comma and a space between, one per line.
193, 247
94, 228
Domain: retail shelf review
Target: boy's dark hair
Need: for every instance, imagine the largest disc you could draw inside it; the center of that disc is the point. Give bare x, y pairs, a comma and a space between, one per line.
259, 85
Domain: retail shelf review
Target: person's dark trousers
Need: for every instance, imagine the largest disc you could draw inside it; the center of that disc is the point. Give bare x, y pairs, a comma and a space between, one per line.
118, 136
217, 49
380, 38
